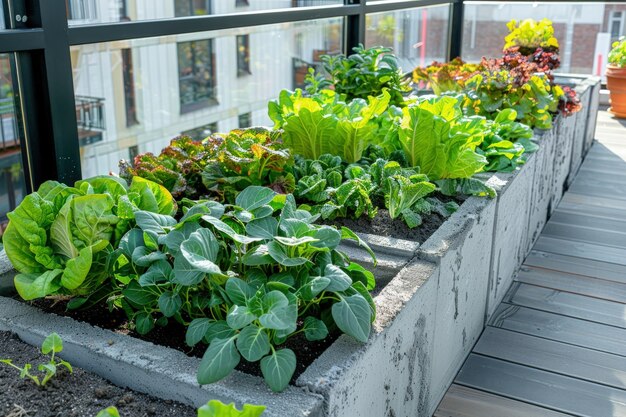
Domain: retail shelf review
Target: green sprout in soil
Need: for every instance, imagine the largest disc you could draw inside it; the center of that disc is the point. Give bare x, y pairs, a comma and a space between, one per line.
50, 347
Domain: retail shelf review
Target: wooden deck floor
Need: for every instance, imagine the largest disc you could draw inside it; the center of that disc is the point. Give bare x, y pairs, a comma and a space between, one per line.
556, 346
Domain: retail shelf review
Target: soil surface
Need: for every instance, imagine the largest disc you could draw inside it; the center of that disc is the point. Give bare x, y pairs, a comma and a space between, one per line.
173, 335
80, 394
383, 225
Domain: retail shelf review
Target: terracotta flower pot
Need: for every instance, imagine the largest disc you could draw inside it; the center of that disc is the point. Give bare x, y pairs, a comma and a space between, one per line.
616, 83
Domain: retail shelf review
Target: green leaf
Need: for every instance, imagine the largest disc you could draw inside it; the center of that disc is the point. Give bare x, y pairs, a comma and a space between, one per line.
201, 250
312, 288
218, 330
353, 316
253, 343
239, 317
185, 273
154, 222
254, 197
239, 291
279, 313
314, 329
18, 251
278, 253
158, 272
76, 269
216, 408
32, 286
61, 234
52, 343
109, 412
278, 368
170, 303
92, 219
139, 296
229, 231
196, 331
349, 234
266, 228
218, 361
339, 280
144, 323
258, 256
309, 132
153, 197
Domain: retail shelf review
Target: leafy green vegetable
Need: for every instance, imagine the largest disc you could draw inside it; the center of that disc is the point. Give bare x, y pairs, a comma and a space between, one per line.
59, 238
367, 72
617, 56
326, 123
216, 408
244, 278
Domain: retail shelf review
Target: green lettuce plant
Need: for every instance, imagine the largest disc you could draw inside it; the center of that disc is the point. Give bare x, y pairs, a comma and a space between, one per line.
368, 72
59, 238
530, 34
244, 278
326, 123
52, 345
216, 408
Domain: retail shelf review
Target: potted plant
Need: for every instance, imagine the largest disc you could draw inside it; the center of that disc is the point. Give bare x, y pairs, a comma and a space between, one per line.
616, 78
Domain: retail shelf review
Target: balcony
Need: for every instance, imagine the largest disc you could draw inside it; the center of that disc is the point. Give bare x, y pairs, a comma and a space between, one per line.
90, 119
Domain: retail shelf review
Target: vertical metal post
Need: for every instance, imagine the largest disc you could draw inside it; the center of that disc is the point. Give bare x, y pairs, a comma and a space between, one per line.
455, 29
60, 89
354, 27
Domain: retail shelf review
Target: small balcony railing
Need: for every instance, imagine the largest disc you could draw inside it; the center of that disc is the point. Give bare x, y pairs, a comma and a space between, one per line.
90, 119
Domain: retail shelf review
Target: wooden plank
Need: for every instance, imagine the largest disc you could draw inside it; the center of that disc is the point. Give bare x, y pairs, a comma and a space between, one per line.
548, 355
577, 284
564, 329
578, 233
602, 190
588, 220
571, 197
591, 210
567, 304
581, 250
593, 179
546, 389
576, 266
601, 172
462, 401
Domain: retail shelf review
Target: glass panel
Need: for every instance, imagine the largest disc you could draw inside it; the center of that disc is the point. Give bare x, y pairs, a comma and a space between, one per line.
144, 92
584, 30
82, 12
12, 183
418, 36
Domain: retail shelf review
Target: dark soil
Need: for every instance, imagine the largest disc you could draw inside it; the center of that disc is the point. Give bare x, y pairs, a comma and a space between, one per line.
173, 335
80, 394
383, 225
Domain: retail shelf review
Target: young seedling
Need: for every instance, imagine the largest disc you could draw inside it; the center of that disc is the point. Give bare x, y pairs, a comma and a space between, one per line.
51, 346
109, 412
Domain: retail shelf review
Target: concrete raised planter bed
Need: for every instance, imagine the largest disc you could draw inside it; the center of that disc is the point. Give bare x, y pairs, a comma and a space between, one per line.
430, 313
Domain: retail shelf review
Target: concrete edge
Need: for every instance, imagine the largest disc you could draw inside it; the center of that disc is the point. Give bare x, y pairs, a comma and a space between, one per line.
142, 366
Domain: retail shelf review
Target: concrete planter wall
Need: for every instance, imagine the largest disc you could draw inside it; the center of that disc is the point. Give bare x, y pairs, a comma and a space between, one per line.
431, 311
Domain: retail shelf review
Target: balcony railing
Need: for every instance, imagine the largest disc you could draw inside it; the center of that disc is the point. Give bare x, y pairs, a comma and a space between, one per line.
90, 119
9, 137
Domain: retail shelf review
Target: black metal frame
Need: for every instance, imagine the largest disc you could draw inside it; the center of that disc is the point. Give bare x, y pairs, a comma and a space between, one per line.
44, 82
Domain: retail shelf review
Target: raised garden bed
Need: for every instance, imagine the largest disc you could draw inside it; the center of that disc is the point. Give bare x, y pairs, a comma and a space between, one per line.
432, 309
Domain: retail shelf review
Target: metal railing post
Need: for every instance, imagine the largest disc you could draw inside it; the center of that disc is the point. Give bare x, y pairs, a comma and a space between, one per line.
455, 29
354, 27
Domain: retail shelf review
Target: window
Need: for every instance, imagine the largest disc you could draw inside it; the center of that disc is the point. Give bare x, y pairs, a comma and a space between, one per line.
243, 55
129, 87
133, 151
241, 3
192, 7
245, 120
616, 25
196, 74
201, 132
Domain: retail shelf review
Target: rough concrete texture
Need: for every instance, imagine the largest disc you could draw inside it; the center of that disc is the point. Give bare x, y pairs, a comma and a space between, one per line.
541, 196
582, 118
510, 230
391, 374
462, 250
594, 103
7, 273
147, 368
562, 158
